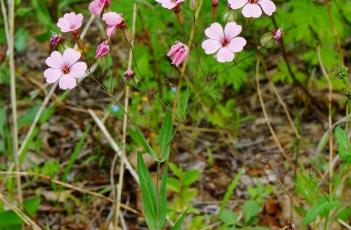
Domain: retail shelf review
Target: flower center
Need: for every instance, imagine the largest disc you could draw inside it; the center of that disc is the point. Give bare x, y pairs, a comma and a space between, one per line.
66, 69
224, 42
253, 1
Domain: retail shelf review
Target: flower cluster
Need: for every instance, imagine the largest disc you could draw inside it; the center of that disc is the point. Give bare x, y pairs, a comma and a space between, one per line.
64, 68
222, 42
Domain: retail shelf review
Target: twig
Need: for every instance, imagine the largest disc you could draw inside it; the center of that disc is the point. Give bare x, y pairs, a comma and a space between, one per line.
330, 122
13, 96
267, 118
125, 125
19, 213
280, 99
343, 223
36, 119
66, 185
113, 144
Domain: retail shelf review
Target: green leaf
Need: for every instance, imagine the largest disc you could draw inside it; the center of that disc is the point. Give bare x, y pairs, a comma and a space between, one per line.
139, 138
178, 225
162, 207
307, 186
148, 192
344, 146
183, 105
9, 219
42, 12
190, 177
165, 137
173, 184
21, 38
31, 205
251, 210
231, 188
321, 208
228, 217
175, 169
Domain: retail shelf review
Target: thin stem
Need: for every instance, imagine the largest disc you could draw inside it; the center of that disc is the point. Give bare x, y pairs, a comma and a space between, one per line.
125, 124
280, 147
114, 145
36, 119
13, 97
281, 101
330, 122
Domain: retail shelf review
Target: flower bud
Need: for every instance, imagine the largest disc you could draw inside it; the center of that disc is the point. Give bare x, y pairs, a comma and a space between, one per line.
102, 49
178, 53
55, 40
129, 74
277, 35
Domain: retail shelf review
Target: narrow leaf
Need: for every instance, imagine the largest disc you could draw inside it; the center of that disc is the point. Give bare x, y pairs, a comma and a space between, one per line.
139, 138
322, 207
344, 146
178, 225
165, 137
148, 192
162, 207
231, 188
183, 105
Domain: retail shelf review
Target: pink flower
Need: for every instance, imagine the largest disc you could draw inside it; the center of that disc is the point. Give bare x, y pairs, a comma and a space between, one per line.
253, 8
224, 43
277, 35
214, 3
170, 4
70, 22
96, 7
178, 53
64, 68
102, 49
113, 21
129, 74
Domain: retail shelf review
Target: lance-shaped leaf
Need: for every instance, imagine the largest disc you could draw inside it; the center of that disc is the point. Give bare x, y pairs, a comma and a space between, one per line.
165, 136
148, 192
139, 138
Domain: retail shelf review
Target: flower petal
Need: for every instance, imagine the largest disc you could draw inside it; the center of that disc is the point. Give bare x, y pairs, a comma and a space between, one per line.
67, 82
268, 7
211, 46
225, 55
252, 11
112, 18
64, 25
237, 4
71, 56
215, 31
78, 70
96, 8
52, 75
231, 30
110, 30
54, 60
237, 44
